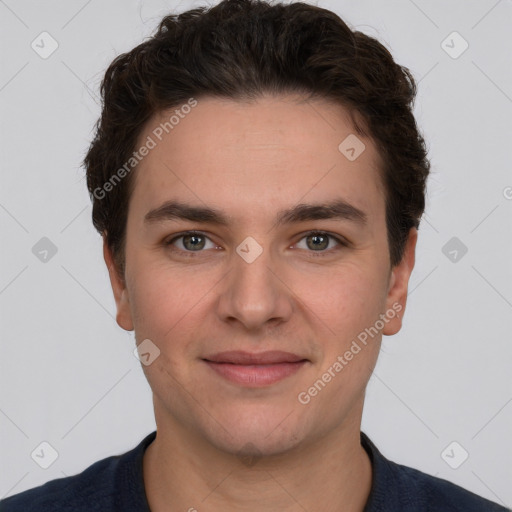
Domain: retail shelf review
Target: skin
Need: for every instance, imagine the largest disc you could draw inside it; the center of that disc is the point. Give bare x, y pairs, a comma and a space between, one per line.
220, 445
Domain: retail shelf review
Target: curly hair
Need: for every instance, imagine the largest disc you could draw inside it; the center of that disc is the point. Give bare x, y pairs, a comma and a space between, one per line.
243, 49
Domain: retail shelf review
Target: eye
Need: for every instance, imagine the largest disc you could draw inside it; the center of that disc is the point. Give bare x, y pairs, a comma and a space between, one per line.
319, 241
191, 241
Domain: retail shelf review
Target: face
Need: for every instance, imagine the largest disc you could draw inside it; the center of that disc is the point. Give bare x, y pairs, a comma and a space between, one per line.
257, 314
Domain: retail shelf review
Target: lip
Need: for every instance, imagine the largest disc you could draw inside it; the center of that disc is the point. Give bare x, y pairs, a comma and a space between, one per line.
248, 358
255, 369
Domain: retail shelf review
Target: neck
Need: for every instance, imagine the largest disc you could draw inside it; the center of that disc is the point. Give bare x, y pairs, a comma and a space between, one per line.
185, 473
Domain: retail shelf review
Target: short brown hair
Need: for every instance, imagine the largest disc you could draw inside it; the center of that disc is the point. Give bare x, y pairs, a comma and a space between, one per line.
242, 49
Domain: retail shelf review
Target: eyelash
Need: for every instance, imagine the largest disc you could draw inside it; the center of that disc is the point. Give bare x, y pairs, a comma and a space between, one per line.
313, 254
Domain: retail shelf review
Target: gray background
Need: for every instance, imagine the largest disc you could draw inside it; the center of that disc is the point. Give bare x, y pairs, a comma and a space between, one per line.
68, 373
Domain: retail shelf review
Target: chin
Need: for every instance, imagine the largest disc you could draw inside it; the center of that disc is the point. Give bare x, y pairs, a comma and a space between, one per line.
250, 447
253, 434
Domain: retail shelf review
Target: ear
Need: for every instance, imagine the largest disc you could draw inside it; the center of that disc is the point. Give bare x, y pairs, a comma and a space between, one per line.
399, 279
123, 316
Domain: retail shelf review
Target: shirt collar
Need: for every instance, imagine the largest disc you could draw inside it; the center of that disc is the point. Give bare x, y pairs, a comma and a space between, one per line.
389, 491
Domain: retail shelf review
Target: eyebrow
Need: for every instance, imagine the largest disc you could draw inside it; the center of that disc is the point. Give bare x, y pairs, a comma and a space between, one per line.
337, 209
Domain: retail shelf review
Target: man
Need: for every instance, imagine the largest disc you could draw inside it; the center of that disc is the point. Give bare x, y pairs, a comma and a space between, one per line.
258, 179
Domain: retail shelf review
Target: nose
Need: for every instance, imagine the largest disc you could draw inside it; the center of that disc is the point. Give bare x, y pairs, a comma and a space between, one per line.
255, 293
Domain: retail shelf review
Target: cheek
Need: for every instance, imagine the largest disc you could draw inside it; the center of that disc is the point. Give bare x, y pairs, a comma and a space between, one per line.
345, 299
163, 299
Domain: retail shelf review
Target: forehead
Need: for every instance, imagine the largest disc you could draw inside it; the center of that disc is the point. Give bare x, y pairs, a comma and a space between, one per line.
274, 151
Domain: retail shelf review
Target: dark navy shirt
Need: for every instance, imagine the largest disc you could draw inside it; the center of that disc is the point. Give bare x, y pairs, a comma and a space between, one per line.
116, 484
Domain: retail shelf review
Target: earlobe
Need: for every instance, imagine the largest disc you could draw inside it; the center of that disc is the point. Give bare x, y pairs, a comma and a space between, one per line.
123, 315
398, 284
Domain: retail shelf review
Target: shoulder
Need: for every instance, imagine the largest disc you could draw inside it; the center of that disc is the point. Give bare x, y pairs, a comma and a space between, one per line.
439, 494
399, 487
89, 490
113, 483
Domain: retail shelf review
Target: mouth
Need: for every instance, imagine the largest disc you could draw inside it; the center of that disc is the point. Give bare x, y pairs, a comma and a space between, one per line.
255, 369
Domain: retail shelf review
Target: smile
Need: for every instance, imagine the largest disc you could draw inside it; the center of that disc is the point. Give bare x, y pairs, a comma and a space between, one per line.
255, 370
